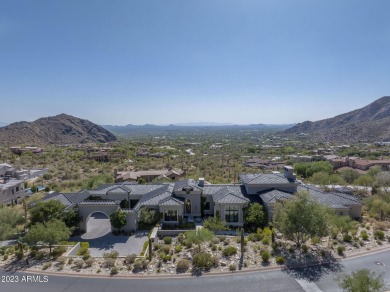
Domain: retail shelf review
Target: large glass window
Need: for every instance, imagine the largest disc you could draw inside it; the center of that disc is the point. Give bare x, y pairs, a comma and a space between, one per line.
231, 214
170, 215
207, 206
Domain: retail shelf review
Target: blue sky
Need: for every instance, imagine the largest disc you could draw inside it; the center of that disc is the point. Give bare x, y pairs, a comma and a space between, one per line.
174, 61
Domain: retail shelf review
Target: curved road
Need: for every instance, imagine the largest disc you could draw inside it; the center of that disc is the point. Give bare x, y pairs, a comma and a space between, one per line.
308, 279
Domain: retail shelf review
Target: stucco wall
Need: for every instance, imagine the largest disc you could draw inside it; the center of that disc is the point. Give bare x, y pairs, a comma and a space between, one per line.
195, 200
85, 212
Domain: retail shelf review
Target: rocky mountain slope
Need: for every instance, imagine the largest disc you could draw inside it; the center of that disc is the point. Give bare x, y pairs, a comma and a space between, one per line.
370, 123
60, 129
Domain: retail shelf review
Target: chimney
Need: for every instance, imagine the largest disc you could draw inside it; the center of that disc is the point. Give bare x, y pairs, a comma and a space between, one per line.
289, 172
201, 182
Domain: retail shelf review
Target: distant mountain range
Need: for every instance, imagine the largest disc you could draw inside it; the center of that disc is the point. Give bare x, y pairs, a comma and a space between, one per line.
368, 124
200, 126
60, 129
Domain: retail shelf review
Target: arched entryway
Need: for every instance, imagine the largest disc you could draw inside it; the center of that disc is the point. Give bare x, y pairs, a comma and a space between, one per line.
98, 225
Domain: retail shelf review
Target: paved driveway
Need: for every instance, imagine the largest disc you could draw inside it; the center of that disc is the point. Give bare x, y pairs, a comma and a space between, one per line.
101, 240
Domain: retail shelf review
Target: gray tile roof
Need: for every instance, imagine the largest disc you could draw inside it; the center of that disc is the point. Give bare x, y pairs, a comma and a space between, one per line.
171, 201
187, 183
265, 178
212, 189
154, 197
334, 200
105, 203
273, 196
230, 195
125, 188
58, 197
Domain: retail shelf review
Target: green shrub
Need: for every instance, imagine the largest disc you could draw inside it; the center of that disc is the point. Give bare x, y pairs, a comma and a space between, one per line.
167, 240
187, 243
39, 255
347, 238
166, 258
255, 237
114, 271
340, 249
232, 267
144, 247
315, 240
214, 247
156, 246
226, 241
202, 260
89, 262
229, 251
379, 234
280, 260
266, 241
166, 249
181, 237
139, 266
86, 256
130, 259
84, 244
70, 261
304, 248
364, 235
215, 261
46, 266
58, 251
19, 254
265, 256
182, 266
178, 248
221, 237
5, 257
215, 240
111, 255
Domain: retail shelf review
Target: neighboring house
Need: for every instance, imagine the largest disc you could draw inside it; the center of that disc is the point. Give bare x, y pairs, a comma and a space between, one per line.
149, 175
358, 163
11, 191
189, 199
10, 172
20, 150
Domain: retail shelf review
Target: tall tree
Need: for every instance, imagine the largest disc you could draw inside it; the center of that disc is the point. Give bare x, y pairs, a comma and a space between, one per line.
361, 281
45, 211
48, 233
255, 216
118, 219
301, 218
10, 218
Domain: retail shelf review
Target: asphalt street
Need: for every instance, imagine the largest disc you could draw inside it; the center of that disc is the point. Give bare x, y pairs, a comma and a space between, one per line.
309, 279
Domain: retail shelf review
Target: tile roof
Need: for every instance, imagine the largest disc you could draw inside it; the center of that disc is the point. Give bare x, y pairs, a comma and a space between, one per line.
265, 178
334, 200
230, 195
171, 201
154, 197
187, 183
59, 197
104, 203
273, 196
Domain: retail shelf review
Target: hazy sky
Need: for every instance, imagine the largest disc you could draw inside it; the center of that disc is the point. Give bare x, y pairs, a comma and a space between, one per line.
165, 61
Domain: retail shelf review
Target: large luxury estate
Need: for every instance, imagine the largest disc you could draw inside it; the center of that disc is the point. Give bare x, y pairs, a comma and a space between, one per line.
189, 199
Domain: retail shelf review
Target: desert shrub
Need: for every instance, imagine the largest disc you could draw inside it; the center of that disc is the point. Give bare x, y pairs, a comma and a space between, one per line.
202, 260
255, 237
266, 240
214, 247
139, 266
379, 234
144, 247
39, 255
61, 260
340, 249
114, 271
187, 243
182, 266
130, 259
109, 262
167, 240
166, 258
232, 267
215, 261
304, 248
215, 240
84, 244
347, 238
156, 246
70, 261
46, 266
364, 235
33, 253
265, 256
221, 237
226, 241
229, 251
178, 248
315, 240
111, 255
181, 237
280, 260
166, 249
79, 263
89, 262
58, 251
19, 254
83, 248
5, 257
86, 256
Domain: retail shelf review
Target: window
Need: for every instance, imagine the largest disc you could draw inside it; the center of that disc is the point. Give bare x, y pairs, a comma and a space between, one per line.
170, 215
207, 206
231, 214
